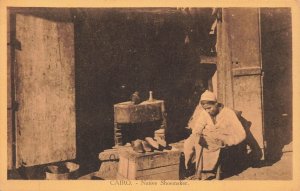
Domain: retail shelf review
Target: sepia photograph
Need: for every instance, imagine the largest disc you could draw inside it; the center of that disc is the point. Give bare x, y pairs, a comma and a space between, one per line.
162, 95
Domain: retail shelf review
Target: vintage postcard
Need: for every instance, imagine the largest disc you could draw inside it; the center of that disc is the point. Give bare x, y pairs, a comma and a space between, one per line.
135, 95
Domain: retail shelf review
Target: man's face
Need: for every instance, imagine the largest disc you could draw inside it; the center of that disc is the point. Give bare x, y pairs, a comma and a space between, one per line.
211, 108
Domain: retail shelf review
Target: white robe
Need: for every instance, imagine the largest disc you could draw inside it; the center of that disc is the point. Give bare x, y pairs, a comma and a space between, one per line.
227, 131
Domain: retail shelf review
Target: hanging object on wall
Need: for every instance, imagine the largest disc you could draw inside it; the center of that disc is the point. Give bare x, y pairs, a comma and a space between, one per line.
217, 12
213, 28
213, 38
187, 39
135, 98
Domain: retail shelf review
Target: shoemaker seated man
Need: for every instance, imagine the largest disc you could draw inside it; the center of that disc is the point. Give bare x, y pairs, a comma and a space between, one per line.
213, 127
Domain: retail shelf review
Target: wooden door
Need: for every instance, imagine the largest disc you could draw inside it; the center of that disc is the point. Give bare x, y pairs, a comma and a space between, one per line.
247, 68
239, 66
45, 91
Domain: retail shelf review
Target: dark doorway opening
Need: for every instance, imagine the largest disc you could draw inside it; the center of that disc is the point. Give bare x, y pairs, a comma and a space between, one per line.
119, 51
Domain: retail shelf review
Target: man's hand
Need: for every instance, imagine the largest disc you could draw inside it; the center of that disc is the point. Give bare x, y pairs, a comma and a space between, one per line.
188, 129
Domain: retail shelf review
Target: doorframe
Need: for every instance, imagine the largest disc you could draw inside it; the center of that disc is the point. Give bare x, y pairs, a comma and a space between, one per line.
12, 107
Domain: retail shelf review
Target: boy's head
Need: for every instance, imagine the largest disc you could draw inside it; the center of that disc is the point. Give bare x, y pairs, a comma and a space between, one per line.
209, 103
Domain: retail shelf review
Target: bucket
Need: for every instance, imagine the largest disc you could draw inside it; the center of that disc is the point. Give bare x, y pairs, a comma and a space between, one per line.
62, 171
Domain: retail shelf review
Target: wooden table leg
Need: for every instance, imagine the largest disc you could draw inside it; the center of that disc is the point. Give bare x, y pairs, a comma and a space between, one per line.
118, 135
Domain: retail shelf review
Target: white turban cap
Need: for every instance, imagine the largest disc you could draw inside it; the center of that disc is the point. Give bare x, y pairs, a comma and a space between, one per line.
208, 96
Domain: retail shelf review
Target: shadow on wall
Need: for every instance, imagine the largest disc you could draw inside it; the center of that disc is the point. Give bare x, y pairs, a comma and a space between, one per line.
277, 66
236, 159
277, 137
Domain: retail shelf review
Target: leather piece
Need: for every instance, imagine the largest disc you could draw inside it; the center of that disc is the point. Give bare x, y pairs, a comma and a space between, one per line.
147, 147
152, 142
137, 146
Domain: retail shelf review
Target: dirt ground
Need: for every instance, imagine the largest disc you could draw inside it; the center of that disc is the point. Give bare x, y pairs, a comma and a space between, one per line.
280, 170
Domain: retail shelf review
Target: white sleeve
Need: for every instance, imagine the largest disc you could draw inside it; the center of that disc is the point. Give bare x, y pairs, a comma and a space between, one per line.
194, 117
199, 123
239, 133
